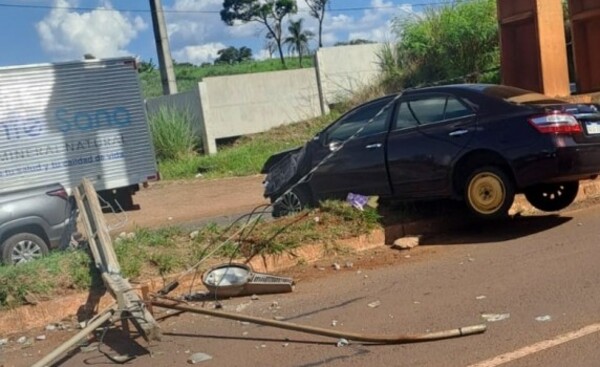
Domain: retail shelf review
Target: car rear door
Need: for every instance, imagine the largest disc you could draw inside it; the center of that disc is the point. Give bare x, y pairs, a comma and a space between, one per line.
359, 167
428, 134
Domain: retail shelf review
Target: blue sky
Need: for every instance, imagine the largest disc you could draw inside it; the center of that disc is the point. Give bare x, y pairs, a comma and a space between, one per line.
37, 31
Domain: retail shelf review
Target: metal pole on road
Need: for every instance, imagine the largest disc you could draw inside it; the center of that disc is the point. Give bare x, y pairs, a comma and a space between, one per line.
165, 64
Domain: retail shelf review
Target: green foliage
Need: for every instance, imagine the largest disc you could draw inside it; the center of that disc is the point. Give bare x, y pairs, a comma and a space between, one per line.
172, 134
188, 76
298, 38
232, 55
453, 43
358, 41
269, 13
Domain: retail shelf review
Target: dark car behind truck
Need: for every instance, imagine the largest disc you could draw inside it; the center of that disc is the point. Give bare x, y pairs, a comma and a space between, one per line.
33, 221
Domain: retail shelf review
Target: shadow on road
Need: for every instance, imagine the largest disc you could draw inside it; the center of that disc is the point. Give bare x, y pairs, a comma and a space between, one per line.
498, 231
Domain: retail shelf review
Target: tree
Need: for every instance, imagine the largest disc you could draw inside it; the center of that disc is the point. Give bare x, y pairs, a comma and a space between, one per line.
451, 43
232, 55
357, 41
317, 11
269, 13
298, 39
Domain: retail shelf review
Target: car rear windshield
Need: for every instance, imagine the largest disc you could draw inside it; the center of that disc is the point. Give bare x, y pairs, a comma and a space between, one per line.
519, 96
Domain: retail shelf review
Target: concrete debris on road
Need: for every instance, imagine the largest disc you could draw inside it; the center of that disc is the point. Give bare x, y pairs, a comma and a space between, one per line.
342, 343
199, 358
543, 318
406, 243
494, 317
374, 304
480, 297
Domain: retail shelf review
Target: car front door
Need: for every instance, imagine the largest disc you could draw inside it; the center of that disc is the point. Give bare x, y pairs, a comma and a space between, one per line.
427, 135
359, 166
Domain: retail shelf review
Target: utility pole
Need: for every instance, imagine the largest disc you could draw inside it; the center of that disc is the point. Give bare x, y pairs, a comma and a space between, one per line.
165, 64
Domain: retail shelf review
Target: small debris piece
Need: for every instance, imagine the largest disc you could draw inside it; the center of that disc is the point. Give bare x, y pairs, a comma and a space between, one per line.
349, 265
406, 243
374, 304
199, 175
336, 266
480, 297
22, 340
342, 343
357, 201
50, 327
254, 297
3, 341
279, 318
493, 317
31, 299
334, 323
199, 358
543, 318
274, 305
245, 333
194, 235
170, 218
285, 344
40, 337
579, 224
263, 345
317, 219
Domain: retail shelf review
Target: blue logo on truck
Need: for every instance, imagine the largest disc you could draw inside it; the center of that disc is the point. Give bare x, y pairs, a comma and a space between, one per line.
92, 120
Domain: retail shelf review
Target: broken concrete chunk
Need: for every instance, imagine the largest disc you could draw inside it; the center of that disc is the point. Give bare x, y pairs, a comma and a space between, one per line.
493, 317
543, 318
22, 340
199, 358
374, 304
3, 341
342, 342
50, 327
40, 337
194, 234
407, 243
254, 297
336, 266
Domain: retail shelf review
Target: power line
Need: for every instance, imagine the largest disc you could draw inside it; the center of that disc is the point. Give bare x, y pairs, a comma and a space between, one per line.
175, 11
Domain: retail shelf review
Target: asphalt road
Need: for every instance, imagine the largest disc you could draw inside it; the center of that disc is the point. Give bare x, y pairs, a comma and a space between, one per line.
540, 272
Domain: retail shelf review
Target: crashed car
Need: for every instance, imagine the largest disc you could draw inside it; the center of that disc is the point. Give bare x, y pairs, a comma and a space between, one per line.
478, 143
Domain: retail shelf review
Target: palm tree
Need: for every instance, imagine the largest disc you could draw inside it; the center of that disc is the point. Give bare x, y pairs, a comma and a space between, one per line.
298, 39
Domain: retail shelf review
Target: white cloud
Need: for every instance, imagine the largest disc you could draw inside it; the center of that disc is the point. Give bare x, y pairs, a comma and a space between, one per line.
198, 54
66, 34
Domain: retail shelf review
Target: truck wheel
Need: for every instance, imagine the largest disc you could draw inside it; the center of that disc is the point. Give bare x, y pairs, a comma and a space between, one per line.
22, 248
292, 202
551, 197
489, 192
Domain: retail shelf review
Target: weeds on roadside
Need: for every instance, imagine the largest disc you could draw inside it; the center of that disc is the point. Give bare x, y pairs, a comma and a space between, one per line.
165, 251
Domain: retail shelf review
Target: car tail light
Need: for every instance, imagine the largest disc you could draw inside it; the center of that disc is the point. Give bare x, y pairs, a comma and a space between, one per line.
61, 193
556, 123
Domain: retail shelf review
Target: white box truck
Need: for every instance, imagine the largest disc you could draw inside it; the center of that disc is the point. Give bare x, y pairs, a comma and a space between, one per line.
64, 121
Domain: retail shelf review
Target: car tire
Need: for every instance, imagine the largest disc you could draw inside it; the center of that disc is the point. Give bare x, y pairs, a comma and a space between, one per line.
23, 247
292, 202
489, 192
552, 197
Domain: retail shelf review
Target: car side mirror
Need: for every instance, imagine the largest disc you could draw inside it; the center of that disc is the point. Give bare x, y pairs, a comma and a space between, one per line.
335, 145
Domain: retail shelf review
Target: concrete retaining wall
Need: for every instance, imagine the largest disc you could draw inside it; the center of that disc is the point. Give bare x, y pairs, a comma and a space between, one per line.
237, 105
345, 69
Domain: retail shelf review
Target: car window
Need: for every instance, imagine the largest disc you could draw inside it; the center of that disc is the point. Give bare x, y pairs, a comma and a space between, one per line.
455, 109
428, 110
435, 109
350, 124
404, 117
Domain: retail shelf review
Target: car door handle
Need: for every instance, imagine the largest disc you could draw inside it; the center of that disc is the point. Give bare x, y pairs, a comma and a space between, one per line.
459, 132
374, 146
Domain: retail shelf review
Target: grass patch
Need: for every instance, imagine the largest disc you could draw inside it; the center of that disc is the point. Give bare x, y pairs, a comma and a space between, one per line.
148, 253
247, 155
188, 75
172, 134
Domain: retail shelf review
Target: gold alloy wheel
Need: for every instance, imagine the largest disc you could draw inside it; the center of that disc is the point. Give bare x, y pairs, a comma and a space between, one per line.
486, 193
